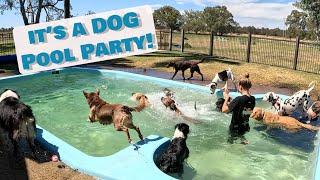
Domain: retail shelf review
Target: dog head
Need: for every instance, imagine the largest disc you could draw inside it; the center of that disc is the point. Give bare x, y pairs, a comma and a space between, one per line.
91, 96
171, 64
181, 130
9, 93
220, 103
270, 97
168, 92
314, 110
213, 87
140, 97
257, 114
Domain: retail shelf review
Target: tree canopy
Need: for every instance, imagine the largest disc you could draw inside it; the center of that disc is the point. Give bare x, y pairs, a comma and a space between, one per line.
168, 17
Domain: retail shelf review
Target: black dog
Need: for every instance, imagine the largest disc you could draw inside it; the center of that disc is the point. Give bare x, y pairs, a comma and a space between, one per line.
220, 103
184, 65
17, 120
171, 161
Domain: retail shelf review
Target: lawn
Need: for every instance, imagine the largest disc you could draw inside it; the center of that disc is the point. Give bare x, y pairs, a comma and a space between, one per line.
261, 75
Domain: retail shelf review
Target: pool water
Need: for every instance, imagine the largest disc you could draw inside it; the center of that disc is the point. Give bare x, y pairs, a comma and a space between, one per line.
60, 107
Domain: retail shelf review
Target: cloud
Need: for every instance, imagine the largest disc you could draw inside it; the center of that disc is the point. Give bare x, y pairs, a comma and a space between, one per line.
251, 9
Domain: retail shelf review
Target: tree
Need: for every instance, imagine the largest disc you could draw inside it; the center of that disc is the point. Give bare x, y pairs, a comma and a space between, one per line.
218, 19
297, 22
168, 17
312, 9
31, 10
67, 8
192, 21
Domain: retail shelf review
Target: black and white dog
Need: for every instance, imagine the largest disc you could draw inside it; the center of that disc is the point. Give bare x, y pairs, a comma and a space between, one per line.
171, 161
299, 102
17, 119
221, 77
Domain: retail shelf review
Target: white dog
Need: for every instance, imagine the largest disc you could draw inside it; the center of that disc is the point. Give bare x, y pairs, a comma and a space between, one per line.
299, 102
8, 93
221, 77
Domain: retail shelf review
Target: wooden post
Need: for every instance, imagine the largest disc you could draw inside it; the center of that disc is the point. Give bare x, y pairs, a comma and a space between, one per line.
160, 40
249, 47
211, 44
182, 40
296, 55
170, 41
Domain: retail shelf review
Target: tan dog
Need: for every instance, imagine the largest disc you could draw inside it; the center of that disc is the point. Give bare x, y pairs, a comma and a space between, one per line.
285, 122
142, 99
117, 114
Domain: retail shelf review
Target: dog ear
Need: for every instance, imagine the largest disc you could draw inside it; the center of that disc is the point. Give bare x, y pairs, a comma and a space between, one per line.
85, 94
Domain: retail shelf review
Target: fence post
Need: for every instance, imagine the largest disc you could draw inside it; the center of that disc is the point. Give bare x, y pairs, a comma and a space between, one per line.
182, 40
296, 55
249, 47
160, 39
170, 42
211, 43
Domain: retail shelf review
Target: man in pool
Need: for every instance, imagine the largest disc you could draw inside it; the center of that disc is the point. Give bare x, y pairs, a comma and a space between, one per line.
241, 108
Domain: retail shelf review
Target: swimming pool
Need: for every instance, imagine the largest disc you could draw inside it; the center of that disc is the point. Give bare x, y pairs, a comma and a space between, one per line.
61, 109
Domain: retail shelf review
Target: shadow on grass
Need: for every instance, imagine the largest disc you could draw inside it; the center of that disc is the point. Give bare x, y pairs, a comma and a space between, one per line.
121, 63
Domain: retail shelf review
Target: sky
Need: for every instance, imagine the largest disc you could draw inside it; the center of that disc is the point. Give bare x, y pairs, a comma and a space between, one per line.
259, 13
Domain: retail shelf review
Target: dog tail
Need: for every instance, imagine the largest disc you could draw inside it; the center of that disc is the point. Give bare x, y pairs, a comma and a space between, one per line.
311, 86
310, 127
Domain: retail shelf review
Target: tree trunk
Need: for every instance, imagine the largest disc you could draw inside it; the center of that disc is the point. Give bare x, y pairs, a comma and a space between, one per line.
67, 9
39, 11
23, 12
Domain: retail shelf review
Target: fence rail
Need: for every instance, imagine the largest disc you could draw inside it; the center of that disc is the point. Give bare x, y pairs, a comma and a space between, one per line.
294, 54
6, 43
298, 55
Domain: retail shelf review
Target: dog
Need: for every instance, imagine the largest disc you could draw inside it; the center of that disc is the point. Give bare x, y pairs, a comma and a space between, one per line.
300, 101
220, 103
276, 121
17, 120
184, 65
168, 101
171, 160
118, 114
221, 77
142, 99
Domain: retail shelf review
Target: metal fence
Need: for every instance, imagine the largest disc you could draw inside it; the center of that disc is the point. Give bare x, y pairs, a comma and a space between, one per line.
6, 43
294, 54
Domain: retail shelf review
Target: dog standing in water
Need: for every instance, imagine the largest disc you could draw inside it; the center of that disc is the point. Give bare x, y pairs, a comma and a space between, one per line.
171, 160
117, 114
299, 102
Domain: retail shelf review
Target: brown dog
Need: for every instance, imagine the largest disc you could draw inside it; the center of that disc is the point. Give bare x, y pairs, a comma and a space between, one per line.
142, 99
117, 114
274, 120
167, 101
184, 65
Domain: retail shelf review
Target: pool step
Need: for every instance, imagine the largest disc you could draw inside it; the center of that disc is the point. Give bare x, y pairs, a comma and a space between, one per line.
133, 162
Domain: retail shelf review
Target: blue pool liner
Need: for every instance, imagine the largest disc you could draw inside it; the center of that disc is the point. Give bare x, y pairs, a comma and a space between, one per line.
135, 161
